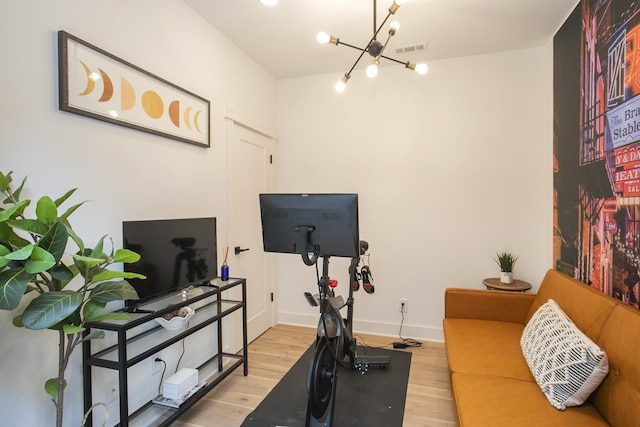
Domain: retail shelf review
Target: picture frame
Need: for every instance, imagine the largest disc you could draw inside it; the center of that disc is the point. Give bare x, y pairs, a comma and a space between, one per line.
95, 83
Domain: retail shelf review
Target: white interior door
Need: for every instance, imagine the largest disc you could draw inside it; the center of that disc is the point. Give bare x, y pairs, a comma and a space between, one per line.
250, 173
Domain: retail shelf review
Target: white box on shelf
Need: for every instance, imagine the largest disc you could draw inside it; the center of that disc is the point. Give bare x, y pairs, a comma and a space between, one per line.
180, 383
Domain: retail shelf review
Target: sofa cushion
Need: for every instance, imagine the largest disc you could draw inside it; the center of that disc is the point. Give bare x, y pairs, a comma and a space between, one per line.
618, 397
566, 364
485, 346
489, 401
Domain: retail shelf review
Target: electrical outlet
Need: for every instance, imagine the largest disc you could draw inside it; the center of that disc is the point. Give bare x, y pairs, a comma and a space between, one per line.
403, 306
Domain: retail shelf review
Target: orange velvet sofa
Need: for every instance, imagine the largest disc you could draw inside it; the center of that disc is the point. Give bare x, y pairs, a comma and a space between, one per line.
491, 382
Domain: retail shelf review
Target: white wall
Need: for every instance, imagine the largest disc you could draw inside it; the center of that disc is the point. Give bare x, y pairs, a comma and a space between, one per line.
126, 174
450, 168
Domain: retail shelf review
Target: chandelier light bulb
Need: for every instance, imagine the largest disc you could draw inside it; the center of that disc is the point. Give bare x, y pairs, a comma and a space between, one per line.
323, 37
422, 69
269, 2
395, 6
341, 85
393, 27
372, 70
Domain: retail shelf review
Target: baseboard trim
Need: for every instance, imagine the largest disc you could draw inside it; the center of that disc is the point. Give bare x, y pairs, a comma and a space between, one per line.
368, 327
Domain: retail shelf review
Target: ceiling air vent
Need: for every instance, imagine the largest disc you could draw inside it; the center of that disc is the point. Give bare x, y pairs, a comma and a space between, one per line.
422, 47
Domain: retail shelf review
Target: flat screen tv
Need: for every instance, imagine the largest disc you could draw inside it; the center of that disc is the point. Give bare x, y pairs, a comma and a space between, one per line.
174, 254
325, 225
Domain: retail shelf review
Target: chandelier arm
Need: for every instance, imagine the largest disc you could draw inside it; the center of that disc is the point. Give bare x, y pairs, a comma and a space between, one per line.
356, 63
350, 45
385, 45
394, 60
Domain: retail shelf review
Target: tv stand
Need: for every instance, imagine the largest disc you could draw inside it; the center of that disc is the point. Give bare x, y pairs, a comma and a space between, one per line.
133, 346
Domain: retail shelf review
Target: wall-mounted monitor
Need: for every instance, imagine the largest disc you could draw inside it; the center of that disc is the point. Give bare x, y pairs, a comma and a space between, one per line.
325, 225
174, 254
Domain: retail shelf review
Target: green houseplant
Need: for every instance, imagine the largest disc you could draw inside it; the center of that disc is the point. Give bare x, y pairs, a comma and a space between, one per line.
506, 261
35, 265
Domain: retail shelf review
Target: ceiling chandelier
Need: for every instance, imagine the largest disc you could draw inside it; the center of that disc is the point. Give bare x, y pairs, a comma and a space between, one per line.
374, 48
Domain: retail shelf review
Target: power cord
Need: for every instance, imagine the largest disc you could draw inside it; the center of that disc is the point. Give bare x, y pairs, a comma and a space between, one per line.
163, 371
364, 344
183, 350
406, 342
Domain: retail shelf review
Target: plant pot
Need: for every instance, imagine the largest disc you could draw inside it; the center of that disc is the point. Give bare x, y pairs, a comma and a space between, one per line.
506, 277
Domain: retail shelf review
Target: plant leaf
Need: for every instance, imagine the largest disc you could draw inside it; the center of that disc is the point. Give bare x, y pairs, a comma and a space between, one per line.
55, 240
50, 308
126, 256
3, 260
74, 319
5, 232
111, 274
71, 210
66, 195
18, 191
17, 321
4, 182
46, 210
95, 335
9, 212
88, 261
39, 261
92, 309
21, 254
51, 387
113, 291
62, 273
74, 237
7, 235
110, 316
99, 249
72, 330
28, 225
13, 283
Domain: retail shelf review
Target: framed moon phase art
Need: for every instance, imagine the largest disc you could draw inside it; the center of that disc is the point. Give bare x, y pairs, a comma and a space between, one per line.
97, 84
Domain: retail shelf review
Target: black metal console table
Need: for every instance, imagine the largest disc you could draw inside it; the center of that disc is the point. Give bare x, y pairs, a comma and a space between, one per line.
213, 308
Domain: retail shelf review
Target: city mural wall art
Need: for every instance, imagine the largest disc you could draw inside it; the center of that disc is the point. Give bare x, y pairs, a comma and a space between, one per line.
597, 147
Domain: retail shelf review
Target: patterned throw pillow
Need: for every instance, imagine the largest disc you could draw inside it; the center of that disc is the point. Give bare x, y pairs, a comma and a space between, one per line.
566, 364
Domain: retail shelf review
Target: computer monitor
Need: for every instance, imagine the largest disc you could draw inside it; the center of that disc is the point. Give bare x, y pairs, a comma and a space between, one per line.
324, 225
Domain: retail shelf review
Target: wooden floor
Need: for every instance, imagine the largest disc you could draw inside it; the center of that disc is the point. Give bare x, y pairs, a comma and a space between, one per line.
428, 401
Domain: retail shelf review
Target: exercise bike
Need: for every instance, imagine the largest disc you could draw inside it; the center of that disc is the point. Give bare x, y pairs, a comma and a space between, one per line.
335, 345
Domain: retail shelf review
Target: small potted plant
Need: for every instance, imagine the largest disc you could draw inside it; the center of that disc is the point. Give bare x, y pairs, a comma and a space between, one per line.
506, 261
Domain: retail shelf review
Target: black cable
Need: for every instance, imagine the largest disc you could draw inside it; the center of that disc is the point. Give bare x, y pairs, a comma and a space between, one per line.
183, 349
408, 342
370, 346
163, 371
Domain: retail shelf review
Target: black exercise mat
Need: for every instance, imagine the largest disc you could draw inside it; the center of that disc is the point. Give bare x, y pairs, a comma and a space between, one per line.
373, 399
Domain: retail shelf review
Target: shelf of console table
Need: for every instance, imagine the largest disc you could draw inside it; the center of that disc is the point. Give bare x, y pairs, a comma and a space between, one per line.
140, 338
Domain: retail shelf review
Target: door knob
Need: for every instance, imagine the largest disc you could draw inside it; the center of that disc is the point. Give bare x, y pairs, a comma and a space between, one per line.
237, 250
